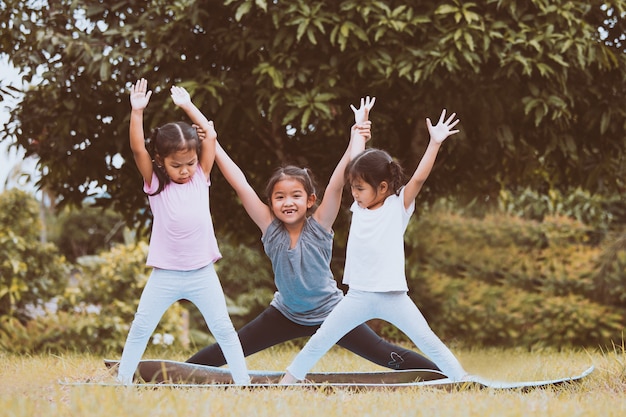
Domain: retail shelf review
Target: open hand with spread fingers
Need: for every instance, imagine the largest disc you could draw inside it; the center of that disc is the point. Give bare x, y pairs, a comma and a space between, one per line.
443, 128
362, 113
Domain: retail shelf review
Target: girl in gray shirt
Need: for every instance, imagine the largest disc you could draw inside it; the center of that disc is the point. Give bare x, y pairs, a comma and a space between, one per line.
299, 245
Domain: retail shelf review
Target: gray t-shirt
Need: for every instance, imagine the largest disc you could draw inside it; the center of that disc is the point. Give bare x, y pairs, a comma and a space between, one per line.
307, 291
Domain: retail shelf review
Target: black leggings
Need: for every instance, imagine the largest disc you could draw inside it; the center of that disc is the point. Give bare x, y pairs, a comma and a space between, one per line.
271, 327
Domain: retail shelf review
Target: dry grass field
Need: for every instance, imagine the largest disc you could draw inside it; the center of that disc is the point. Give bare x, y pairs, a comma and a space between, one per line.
29, 386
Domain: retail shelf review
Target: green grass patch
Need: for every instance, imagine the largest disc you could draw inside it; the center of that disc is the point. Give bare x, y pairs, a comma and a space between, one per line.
29, 386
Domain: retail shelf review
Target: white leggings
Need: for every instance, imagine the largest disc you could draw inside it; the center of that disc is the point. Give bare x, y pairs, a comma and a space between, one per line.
164, 287
359, 306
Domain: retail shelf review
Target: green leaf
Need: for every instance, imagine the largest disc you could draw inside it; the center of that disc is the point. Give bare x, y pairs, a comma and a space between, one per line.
446, 9
544, 69
262, 4
311, 36
605, 121
470, 16
469, 41
242, 10
306, 115
105, 70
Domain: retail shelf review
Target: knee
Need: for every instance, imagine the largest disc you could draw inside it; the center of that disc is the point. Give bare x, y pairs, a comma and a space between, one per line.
319, 344
222, 327
140, 328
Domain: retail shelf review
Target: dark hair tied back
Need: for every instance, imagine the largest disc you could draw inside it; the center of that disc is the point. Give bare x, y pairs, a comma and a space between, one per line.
375, 166
396, 176
168, 139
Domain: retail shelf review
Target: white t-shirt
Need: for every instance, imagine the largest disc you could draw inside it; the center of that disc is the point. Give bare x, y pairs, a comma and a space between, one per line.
375, 249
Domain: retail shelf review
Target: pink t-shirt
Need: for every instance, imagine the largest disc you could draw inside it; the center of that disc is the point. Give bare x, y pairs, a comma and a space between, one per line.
182, 237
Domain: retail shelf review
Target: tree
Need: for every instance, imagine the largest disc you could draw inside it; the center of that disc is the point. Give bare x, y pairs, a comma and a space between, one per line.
538, 88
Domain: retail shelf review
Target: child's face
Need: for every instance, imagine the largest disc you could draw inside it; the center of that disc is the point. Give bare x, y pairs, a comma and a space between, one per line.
181, 166
367, 196
290, 201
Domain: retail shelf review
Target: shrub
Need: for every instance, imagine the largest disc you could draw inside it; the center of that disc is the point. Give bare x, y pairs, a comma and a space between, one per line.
112, 283
31, 272
600, 212
609, 278
502, 280
94, 314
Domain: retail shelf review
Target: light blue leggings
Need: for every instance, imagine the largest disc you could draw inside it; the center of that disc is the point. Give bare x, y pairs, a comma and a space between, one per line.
164, 287
359, 306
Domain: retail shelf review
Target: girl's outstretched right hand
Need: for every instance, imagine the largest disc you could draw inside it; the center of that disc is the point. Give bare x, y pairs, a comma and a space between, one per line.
139, 95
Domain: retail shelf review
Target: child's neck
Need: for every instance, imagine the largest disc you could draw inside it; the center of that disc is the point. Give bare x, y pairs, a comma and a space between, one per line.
294, 230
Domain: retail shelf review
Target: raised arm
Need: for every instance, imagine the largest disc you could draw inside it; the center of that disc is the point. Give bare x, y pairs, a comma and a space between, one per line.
438, 134
360, 133
258, 211
139, 98
182, 99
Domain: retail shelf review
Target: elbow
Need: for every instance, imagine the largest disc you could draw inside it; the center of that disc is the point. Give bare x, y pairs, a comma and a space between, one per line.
139, 153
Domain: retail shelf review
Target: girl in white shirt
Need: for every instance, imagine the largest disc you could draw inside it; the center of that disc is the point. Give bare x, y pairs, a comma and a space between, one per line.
374, 267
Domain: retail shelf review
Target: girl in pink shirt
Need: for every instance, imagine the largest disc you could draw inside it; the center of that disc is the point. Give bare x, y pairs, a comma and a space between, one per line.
183, 247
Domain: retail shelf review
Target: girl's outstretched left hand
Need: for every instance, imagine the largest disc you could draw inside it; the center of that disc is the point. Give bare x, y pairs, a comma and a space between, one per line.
362, 113
442, 129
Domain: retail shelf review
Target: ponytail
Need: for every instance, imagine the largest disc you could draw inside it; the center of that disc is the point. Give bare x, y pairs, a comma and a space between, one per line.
396, 176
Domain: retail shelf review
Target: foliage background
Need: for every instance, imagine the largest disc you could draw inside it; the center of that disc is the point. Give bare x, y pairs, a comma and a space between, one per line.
538, 86
519, 236
495, 281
